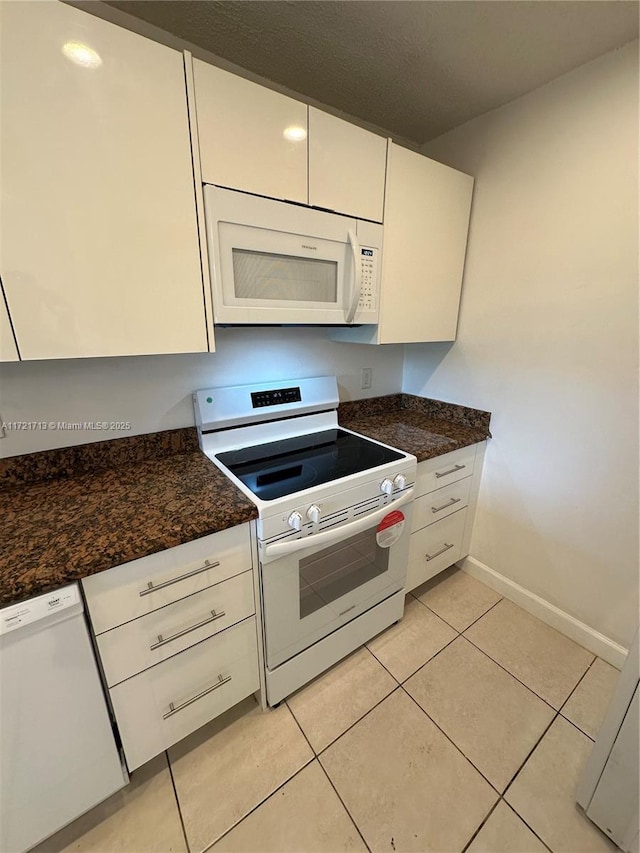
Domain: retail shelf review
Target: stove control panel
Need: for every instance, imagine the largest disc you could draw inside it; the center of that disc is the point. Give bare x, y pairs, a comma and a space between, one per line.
275, 397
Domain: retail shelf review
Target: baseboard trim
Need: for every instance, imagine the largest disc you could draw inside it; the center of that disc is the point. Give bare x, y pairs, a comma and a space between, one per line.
568, 625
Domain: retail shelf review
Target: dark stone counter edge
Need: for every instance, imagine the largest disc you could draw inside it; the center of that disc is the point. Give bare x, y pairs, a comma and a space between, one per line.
18, 596
453, 413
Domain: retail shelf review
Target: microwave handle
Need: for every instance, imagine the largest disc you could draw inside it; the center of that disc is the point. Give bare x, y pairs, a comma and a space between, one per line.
282, 549
357, 278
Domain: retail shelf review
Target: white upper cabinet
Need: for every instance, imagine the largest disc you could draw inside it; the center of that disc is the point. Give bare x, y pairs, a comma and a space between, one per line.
99, 241
347, 167
251, 138
8, 349
426, 222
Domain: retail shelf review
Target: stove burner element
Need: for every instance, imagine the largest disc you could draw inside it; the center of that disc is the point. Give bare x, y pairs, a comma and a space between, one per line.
281, 468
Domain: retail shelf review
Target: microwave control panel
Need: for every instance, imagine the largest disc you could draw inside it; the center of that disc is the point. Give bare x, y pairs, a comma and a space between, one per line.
369, 281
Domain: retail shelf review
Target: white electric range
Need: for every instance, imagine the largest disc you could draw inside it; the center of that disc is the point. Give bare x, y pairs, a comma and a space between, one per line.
334, 519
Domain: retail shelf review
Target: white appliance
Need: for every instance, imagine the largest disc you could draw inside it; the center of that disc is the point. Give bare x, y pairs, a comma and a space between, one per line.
334, 520
609, 791
275, 262
58, 755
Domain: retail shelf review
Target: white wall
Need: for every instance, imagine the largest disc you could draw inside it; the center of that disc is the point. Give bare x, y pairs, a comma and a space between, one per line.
154, 392
548, 338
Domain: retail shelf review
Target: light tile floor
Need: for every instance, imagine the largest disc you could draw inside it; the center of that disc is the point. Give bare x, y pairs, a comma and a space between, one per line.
463, 728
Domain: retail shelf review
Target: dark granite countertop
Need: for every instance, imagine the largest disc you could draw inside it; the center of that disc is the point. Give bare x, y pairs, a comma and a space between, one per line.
70, 513
417, 425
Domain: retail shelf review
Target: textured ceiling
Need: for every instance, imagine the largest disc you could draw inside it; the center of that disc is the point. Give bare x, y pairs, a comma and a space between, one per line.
416, 68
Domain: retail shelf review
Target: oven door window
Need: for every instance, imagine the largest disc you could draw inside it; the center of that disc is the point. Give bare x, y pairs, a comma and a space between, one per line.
330, 574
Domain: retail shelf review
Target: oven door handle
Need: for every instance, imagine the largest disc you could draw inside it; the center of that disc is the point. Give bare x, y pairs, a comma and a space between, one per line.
282, 549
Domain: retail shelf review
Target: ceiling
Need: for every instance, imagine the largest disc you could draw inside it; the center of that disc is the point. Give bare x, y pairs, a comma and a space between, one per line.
415, 68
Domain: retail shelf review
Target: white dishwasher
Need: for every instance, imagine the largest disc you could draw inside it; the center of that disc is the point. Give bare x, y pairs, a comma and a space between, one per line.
58, 755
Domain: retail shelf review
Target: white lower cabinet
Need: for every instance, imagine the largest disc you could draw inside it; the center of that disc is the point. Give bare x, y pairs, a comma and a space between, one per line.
177, 637
160, 706
434, 548
443, 512
144, 642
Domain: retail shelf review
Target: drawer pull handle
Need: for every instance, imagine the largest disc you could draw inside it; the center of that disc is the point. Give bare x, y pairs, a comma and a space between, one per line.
437, 554
173, 709
162, 641
444, 506
152, 588
450, 471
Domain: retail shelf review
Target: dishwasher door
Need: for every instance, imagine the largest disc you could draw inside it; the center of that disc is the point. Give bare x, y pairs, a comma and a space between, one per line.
58, 755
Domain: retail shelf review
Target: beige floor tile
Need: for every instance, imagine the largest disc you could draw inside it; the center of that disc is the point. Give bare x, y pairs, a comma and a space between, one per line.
504, 832
405, 785
542, 658
304, 815
588, 703
490, 716
418, 636
143, 817
457, 598
229, 766
544, 792
338, 698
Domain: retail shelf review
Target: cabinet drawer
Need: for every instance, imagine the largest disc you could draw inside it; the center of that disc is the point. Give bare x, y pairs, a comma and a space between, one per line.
442, 470
160, 706
139, 644
142, 586
442, 502
434, 548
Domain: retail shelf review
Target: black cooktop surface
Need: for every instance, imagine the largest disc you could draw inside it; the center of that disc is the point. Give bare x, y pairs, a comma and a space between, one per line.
283, 467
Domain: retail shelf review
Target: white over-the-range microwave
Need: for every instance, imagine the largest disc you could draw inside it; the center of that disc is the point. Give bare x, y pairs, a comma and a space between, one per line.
274, 262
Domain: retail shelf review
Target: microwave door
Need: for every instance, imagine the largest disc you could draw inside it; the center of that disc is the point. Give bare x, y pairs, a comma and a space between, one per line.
267, 276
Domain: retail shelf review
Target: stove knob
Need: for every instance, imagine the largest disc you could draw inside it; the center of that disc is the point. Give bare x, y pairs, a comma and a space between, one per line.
313, 513
295, 520
386, 486
399, 481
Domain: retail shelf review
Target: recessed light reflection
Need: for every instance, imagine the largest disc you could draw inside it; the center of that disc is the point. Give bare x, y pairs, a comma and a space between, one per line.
81, 54
295, 133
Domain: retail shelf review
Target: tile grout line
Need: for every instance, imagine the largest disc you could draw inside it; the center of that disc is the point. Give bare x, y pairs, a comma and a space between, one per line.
344, 806
257, 806
519, 816
316, 757
482, 823
453, 743
366, 714
497, 663
400, 683
482, 615
175, 794
529, 754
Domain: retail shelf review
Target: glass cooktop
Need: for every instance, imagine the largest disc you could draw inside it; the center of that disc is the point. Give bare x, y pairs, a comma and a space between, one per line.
283, 467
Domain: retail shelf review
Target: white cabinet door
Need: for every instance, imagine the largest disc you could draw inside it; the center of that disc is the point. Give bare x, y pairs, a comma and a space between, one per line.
8, 349
426, 221
100, 250
251, 138
347, 167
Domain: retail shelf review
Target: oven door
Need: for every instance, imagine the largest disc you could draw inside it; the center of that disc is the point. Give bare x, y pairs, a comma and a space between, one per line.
308, 592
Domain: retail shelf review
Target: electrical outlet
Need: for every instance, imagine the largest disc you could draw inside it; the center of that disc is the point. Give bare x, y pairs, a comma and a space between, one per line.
366, 375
